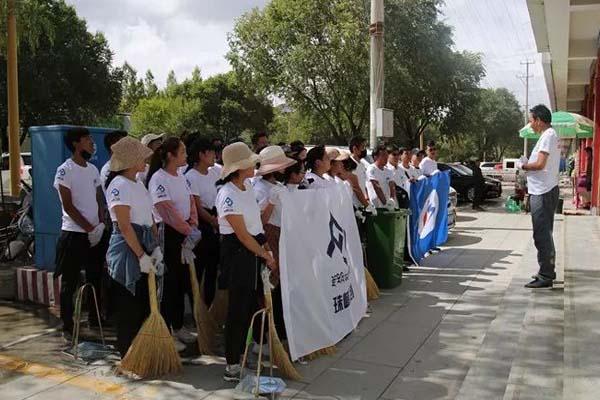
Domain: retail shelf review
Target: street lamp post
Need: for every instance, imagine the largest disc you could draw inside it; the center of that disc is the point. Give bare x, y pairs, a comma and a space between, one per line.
13, 100
377, 62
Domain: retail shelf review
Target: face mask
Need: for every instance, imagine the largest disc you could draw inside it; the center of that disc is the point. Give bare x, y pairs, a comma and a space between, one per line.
363, 153
86, 155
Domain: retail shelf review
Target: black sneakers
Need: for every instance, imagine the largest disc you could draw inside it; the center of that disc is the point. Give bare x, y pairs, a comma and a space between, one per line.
539, 283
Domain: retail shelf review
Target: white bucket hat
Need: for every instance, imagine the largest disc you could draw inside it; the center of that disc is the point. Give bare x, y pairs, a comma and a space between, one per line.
237, 156
273, 158
147, 139
127, 153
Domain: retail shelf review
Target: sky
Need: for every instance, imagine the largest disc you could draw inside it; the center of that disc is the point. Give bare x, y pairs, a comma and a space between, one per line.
164, 35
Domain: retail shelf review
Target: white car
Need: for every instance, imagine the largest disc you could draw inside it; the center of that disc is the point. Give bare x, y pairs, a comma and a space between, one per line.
452, 202
25, 167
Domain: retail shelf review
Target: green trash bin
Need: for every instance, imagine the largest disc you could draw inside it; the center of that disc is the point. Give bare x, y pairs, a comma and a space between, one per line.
386, 234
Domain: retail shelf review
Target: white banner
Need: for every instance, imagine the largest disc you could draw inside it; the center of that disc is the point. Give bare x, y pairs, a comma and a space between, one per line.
322, 276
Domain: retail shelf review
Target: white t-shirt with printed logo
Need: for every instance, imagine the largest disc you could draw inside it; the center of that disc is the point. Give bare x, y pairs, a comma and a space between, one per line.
317, 182
204, 186
83, 182
125, 192
384, 178
233, 201
166, 187
541, 182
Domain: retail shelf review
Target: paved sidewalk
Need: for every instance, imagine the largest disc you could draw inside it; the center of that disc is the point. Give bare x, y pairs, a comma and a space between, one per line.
462, 326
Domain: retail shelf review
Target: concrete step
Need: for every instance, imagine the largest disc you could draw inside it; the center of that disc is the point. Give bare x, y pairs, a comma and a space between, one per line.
582, 313
522, 313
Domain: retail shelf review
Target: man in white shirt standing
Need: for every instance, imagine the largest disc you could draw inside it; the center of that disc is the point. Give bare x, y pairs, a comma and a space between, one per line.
357, 147
429, 164
79, 245
380, 186
405, 166
542, 184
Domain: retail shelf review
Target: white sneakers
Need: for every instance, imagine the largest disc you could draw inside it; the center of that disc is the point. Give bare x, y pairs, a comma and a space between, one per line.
232, 373
185, 336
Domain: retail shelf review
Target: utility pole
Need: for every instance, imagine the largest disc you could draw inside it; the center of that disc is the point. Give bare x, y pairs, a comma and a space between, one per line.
14, 147
377, 74
526, 77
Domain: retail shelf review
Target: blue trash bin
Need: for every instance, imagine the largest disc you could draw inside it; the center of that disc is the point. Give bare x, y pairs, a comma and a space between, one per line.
48, 151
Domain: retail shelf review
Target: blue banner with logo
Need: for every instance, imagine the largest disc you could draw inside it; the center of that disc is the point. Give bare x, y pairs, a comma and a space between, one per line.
428, 222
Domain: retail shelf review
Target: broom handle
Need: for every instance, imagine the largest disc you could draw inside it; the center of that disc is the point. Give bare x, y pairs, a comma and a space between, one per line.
152, 292
195, 286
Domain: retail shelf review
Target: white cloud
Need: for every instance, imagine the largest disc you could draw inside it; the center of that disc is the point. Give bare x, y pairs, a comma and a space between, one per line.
164, 35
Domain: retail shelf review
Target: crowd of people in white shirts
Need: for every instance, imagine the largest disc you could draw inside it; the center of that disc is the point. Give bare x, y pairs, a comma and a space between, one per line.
160, 205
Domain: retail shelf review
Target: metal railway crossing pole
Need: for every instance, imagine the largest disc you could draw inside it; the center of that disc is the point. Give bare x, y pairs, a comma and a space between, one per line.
527, 63
13, 100
377, 61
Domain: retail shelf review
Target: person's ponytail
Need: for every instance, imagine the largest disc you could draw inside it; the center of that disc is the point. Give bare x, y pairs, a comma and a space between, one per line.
111, 176
156, 163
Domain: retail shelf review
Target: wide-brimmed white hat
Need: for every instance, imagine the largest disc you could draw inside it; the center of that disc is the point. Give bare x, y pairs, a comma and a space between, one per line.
337, 155
151, 137
273, 158
127, 153
237, 156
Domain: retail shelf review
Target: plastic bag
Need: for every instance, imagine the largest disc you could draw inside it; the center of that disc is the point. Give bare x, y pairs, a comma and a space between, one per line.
267, 385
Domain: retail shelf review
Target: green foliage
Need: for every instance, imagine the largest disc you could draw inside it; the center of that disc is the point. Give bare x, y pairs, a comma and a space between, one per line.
34, 21
315, 55
68, 78
312, 53
220, 105
170, 115
489, 130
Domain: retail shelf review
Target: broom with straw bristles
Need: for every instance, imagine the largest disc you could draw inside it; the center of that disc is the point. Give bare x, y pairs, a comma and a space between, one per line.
372, 289
152, 353
218, 308
279, 355
327, 351
205, 325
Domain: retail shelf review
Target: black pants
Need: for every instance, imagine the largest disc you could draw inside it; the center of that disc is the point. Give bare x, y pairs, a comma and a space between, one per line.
176, 281
478, 199
244, 291
130, 311
73, 253
207, 261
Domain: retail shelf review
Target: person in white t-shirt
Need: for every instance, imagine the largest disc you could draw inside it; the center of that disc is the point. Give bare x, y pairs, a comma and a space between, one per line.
243, 243
406, 167
318, 164
357, 147
82, 243
273, 163
109, 139
134, 249
203, 177
429, 164
175, 209
542, 185
153, 142
380, 186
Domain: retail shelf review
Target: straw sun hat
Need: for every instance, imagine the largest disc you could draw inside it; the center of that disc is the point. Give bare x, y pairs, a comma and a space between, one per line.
272, 158
237, 156
127, 153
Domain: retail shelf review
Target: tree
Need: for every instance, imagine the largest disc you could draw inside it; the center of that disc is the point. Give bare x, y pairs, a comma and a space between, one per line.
69, 79
489, 131
220, 105
150, 87
134, 89
312, 53
34, 21
171, 88
427, 81
170, 115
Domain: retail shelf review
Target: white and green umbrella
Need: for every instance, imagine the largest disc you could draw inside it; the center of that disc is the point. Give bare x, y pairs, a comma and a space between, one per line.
567, 125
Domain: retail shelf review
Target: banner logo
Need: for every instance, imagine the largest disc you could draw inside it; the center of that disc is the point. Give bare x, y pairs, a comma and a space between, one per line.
337, 238
428, 215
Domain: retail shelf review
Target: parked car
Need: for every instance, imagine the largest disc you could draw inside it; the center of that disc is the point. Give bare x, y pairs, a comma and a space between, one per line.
492, 169
25, 167
461, 179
